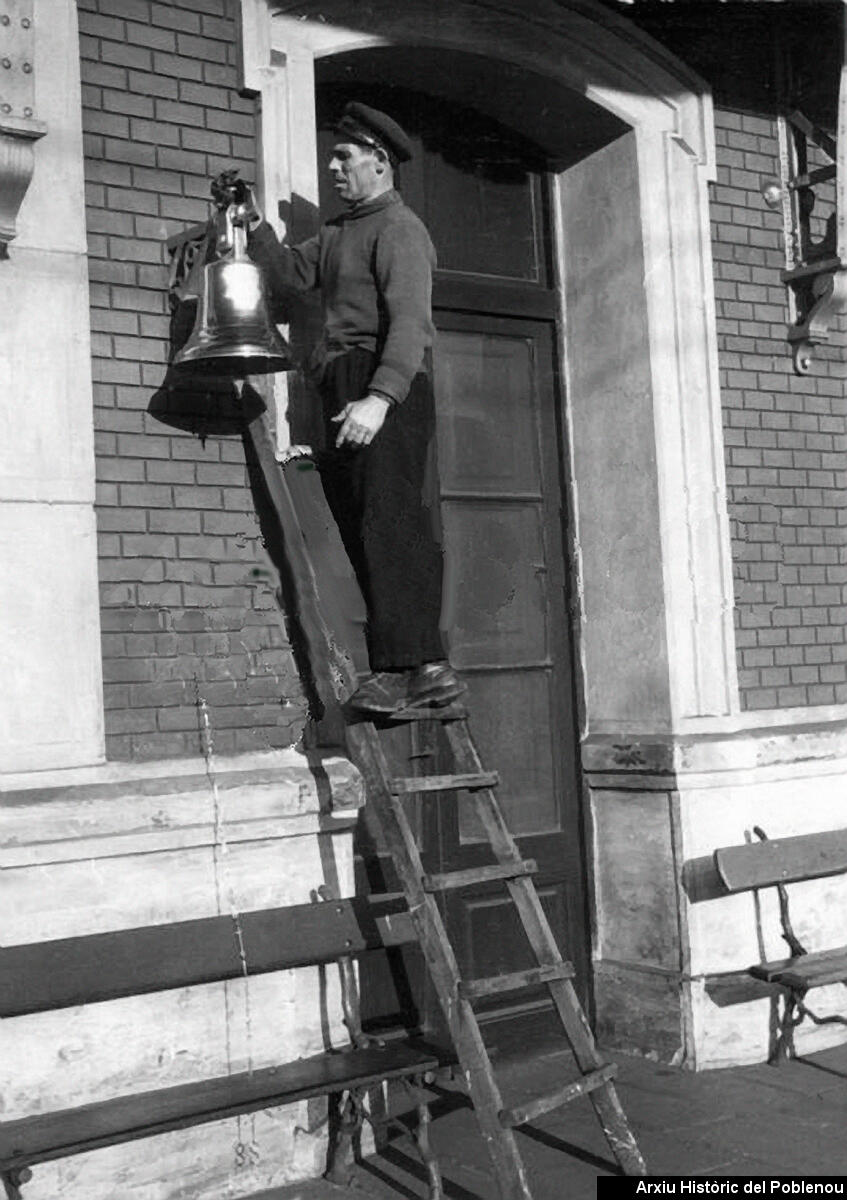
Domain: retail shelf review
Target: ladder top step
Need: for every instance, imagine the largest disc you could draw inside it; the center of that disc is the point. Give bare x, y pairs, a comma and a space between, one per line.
472, 781
445, 714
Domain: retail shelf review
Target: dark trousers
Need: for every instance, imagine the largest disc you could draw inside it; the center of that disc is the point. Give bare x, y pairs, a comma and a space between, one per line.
384, 498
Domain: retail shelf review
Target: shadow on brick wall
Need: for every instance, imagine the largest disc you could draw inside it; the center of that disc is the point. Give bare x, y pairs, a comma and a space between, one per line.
201, 403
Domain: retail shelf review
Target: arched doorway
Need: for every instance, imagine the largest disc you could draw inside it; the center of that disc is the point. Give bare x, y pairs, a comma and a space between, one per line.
483, 188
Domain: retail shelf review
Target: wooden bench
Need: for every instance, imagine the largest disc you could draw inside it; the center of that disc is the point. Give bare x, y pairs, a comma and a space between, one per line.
106, 966
777, 863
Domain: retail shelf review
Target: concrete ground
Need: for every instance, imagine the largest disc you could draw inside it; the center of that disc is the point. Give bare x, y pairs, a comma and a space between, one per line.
785, 1120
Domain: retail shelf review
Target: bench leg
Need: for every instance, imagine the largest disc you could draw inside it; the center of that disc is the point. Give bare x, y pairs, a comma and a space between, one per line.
792, 1016
12, 1181
344, 1128
436, 1188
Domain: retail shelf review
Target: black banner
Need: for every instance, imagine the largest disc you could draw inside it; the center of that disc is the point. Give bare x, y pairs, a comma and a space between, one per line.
689, 1187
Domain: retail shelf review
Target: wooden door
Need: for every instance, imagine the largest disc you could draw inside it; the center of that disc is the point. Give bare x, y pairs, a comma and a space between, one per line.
482, 194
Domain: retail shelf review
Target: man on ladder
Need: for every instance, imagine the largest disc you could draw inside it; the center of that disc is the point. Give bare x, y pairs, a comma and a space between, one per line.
373, 266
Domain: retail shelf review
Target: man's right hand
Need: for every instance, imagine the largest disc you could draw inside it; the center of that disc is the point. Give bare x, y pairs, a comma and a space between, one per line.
228, 191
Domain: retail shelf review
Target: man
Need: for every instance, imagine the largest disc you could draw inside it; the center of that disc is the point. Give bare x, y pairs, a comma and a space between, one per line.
373, 266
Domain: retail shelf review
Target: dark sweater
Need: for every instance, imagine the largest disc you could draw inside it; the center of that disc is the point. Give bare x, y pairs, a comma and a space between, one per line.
374, 266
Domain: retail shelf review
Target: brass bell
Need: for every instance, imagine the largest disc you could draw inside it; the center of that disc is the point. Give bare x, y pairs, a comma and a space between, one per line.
233, 334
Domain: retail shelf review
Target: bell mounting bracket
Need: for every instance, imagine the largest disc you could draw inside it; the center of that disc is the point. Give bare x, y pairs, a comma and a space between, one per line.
815, 268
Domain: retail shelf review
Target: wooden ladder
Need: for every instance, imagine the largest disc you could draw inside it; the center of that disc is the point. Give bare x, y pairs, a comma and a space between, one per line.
334, 679
386, 797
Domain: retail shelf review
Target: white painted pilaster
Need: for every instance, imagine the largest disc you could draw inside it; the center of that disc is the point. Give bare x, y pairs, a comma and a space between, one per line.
287, 179
51, 711
690, 476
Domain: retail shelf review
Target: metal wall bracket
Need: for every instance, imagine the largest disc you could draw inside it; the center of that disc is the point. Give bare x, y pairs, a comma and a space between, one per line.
815, 269
19, 128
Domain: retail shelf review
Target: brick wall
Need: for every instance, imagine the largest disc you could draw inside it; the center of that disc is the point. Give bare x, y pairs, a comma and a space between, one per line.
187, 595
785, 439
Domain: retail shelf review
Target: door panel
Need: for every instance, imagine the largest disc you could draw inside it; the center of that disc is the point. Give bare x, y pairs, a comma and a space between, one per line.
519, 748
499, 210
495, 583
477, 376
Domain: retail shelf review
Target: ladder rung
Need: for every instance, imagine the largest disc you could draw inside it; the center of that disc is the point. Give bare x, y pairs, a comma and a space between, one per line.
521, 1113
457, 879
476, 989
444, 783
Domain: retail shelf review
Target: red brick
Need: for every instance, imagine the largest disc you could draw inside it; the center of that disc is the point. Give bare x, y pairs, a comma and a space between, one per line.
178, 718
151, 36
206, 140
175, 522
120, 470
140, 349
189, 211
159, 694
148, 84
136, 10
167, 17
103, 74
170, 472
146, 495
138, 299
179, 113
134, 153
204, 49
191, 571
176, 65
205, 94
125, 670
124, 55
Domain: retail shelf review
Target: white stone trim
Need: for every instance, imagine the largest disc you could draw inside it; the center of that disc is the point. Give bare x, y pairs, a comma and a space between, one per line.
51, 710
696, 549
123, 809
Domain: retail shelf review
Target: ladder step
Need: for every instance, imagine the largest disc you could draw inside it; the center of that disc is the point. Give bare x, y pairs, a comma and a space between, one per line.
510, 1118
458, 879
444, 783
476, 989
449, 712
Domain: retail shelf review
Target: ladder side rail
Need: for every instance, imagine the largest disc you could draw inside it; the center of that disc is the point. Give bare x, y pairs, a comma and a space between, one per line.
367, 754
563, 993
332, 671
506, 850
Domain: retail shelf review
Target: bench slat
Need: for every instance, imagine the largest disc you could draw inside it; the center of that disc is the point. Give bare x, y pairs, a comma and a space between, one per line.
107, 1123
129, 962
808, 971
783, 860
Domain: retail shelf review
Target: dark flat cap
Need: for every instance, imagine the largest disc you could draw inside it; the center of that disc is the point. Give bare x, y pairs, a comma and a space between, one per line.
370, 127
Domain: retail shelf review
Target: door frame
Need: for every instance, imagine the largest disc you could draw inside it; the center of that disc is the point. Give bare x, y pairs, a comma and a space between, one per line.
683, 666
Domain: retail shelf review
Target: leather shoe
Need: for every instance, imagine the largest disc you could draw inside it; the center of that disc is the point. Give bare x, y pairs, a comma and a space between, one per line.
434, 684
380, 692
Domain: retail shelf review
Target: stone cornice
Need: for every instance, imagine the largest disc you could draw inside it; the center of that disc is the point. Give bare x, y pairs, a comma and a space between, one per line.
125, 808
669, 761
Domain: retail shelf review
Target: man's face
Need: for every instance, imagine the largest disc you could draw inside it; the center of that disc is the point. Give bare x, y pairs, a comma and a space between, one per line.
357, 172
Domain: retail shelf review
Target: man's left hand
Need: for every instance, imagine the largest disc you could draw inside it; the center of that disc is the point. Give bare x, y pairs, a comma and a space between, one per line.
361, 421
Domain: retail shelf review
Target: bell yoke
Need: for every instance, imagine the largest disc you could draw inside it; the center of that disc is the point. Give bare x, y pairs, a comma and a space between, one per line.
373, 266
